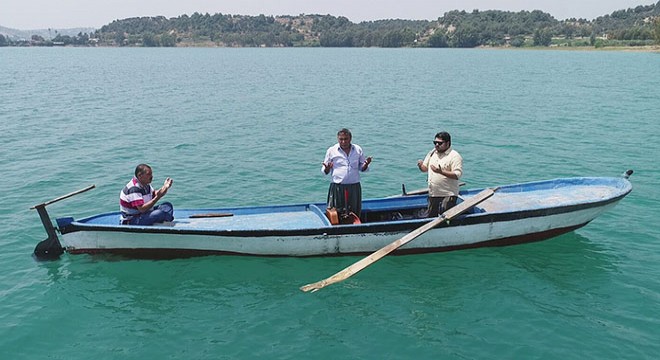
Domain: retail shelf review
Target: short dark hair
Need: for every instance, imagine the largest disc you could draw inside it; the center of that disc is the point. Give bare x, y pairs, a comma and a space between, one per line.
345, 131
444, 136
140, 169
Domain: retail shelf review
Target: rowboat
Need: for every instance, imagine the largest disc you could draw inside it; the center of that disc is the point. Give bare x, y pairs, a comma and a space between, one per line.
514, 214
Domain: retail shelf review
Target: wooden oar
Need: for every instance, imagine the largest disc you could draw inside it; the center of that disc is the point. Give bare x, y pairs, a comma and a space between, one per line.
356, 267
90, 187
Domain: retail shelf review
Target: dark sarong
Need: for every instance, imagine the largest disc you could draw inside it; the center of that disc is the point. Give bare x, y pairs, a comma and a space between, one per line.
438, 205
339, 193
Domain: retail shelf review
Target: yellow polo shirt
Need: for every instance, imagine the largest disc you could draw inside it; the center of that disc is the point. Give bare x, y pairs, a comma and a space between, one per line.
440, 185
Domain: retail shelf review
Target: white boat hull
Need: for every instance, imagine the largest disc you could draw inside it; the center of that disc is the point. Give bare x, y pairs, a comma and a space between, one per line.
444, 238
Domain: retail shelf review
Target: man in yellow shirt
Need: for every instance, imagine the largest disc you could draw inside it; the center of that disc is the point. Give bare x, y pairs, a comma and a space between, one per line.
444, 166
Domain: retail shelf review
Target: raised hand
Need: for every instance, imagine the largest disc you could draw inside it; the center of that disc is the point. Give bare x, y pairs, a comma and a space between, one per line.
327, 167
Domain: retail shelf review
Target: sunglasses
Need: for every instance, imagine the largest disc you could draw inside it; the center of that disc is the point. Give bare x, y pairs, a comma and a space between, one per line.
438, 143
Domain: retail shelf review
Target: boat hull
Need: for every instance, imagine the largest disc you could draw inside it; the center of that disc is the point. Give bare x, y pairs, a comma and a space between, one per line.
471, 231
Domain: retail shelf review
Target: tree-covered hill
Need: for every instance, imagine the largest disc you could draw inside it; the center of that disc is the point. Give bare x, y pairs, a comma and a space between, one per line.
633, 26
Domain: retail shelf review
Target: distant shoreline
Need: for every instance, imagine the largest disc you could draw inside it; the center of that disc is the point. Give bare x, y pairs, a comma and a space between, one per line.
646, 48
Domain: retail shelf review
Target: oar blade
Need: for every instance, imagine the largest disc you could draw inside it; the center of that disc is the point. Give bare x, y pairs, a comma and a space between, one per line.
314, 286
377, 255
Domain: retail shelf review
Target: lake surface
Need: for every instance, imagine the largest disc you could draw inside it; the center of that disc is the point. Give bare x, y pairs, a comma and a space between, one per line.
251, 126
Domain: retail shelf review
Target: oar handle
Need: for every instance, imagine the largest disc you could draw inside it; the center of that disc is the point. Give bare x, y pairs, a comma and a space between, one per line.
64, 197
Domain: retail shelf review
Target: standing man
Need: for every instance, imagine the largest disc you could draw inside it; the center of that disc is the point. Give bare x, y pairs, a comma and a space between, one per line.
344, 161
137, 201
444, 166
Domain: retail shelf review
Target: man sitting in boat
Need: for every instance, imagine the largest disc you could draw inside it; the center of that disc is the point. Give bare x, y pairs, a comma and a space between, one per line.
137, 201
446, 167
344, 162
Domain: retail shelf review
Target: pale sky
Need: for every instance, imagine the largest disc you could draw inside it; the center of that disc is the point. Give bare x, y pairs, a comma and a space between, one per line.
62, 14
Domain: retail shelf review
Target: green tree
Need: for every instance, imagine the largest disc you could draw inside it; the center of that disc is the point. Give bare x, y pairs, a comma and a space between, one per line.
518, 41
81, 39
657, 29
398, 38
119, 38
168, 40
465, 37
542, 37
149, 40
438, 40
3, 41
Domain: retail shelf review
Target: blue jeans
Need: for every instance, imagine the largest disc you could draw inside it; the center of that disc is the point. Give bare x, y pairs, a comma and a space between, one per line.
159, 213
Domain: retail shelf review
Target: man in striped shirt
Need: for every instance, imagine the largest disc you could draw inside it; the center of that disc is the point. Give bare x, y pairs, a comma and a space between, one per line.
137, 201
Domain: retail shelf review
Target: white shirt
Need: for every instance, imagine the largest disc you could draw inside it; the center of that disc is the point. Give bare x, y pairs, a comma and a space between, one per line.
346, 168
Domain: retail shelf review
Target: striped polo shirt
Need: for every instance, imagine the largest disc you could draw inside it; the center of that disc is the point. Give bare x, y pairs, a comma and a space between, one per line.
132, 196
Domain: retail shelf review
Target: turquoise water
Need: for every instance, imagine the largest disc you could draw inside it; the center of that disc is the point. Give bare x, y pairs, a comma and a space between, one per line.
250, 126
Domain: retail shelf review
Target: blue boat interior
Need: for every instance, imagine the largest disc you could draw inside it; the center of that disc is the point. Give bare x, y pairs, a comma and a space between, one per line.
279, 217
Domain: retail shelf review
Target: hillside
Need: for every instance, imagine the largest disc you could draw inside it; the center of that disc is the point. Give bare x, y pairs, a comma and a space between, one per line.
16, 35
630, 27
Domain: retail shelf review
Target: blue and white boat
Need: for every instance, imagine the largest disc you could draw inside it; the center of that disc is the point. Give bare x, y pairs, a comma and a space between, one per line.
514, 214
